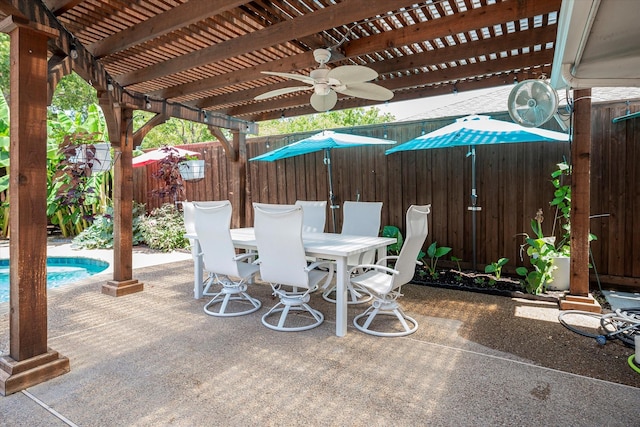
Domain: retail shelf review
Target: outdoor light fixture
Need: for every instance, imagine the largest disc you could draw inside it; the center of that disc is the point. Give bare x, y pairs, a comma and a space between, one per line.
206, 117
109, 85
73, 51
147, 103
455, 89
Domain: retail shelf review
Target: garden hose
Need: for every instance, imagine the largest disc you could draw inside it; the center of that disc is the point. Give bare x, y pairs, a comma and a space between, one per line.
622, 325
632, 363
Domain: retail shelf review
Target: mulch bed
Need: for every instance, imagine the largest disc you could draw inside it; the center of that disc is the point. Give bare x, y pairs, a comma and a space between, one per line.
482, 283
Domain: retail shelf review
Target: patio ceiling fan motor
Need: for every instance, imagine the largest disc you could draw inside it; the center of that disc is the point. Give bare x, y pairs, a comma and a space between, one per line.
532, 103
326, 83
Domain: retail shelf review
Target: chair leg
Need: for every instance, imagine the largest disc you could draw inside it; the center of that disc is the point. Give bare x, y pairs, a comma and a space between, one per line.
231, 291
283, 316
354, 296
209, 281
385, 308
285, 309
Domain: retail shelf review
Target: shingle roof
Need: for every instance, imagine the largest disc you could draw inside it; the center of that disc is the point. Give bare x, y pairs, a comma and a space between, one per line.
493, 101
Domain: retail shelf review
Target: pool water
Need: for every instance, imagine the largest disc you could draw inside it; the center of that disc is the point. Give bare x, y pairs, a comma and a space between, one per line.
60, 271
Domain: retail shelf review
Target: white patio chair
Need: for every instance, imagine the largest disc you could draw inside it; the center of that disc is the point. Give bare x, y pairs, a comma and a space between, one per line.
283, 265
384, 283
228, 269
358, 219
314, 215
188, 212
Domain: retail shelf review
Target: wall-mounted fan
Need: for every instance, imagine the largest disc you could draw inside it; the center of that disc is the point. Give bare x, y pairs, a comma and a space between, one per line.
349, 80
532, 103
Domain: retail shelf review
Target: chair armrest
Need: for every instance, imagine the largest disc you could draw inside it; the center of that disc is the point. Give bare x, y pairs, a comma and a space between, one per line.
241, 257
380, 268
317, 264
387, 258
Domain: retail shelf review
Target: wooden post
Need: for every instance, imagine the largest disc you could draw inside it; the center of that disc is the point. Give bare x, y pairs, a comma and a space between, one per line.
123, 282
579, 297
239, 183
29, 361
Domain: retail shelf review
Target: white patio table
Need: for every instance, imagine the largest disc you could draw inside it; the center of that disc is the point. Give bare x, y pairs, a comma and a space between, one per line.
337, 247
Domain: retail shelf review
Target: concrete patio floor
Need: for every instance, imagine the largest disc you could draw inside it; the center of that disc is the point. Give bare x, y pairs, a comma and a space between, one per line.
155, 358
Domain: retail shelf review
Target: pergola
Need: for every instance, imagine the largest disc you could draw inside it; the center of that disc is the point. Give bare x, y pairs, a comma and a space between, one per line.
202, 60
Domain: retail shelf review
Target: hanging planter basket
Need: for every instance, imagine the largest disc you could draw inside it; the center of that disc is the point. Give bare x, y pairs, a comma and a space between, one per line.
97, 156
191, 169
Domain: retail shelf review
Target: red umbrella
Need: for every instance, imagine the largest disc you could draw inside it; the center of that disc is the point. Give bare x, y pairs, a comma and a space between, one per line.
159, 154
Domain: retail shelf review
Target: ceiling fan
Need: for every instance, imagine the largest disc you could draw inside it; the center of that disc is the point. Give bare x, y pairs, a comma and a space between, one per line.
351, 80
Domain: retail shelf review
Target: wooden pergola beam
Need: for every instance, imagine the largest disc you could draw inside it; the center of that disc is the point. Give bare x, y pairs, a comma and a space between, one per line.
472, 19
92, 71
538, 36
343, 13
177, 17
535, 36
451, 74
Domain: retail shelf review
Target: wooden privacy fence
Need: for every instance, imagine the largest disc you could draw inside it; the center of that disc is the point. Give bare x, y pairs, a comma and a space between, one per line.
513, 181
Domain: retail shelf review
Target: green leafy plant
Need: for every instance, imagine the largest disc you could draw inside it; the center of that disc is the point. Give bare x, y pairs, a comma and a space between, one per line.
164, 229
394, 232
99, 235
562, 199
458, 273
496, 267
74, 182
540, 250
434, 252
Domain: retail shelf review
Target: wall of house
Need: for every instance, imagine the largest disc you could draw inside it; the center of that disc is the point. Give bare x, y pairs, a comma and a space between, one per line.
513, 181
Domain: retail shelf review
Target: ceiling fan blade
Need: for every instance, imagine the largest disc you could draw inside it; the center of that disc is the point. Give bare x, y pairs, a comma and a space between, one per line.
324, 102
282, 91
299, 77
367, 91
347, 74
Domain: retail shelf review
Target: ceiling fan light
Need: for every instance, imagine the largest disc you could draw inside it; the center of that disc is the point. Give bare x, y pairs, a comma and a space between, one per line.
321, 89
73, 51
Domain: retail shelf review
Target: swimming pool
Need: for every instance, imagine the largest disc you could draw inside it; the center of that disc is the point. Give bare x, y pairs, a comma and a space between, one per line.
60, 271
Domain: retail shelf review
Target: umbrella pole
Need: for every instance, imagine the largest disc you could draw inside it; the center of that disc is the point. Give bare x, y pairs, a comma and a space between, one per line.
332, 197
474, 200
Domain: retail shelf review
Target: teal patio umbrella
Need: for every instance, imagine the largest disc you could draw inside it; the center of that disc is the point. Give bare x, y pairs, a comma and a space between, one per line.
478, 130
323, 141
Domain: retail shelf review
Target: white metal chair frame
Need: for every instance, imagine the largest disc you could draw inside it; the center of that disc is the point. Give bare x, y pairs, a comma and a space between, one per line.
188, 212
384, 284
283, 265
212, 222
359, 219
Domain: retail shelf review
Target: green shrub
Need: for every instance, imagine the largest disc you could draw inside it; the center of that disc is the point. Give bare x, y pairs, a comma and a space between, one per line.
99, 235
164, 229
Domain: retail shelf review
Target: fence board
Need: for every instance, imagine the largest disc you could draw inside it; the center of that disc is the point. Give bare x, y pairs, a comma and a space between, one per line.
513, 181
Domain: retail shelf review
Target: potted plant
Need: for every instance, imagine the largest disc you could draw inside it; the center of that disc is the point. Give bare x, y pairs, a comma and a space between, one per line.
191, 168
545, 259
550, 259
74, 180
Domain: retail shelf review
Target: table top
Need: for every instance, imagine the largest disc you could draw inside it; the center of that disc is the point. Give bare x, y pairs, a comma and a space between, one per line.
317, 244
